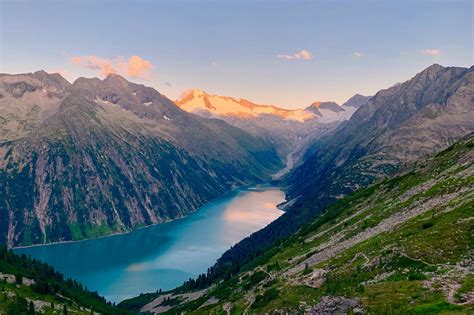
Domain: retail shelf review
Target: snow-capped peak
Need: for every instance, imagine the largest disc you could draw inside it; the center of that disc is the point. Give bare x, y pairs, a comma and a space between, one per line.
199, 102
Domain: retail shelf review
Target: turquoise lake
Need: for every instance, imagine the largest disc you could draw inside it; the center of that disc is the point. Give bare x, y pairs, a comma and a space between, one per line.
164, 255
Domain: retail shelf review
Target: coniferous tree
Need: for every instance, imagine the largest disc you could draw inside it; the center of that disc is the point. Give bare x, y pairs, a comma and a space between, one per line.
31, 308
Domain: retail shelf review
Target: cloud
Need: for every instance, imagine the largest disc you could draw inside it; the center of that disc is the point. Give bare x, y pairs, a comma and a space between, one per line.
138, 68
432, 52
94, 63
358, 55
135, 67
302, 54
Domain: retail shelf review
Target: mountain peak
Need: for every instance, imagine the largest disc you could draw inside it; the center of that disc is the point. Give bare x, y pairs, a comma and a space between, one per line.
332, 106
431, 72
113, 77
357, 101
198, 92
52, 80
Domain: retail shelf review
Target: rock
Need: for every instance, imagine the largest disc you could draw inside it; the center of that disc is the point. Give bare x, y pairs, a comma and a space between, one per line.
330, 305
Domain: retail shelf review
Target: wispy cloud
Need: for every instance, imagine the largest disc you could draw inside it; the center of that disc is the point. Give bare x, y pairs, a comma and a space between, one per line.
302, 54
358, 55
432, 52
134, 67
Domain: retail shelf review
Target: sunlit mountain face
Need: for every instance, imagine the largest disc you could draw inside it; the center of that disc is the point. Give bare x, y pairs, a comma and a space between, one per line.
288, 129
200, 102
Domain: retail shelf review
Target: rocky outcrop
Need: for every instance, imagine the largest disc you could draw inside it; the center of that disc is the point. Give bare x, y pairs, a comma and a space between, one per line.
332, 305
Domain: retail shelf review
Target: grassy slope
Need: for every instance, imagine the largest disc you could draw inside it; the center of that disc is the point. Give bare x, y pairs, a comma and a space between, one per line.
403, 245
50, 292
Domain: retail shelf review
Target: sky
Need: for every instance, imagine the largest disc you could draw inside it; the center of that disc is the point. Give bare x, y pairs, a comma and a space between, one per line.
286, 53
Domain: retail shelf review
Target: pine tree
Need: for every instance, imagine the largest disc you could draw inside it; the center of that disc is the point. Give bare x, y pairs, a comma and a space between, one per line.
31, 308
18, 279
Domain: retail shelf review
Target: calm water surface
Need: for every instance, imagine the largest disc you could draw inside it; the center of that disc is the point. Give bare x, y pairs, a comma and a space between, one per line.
164, 255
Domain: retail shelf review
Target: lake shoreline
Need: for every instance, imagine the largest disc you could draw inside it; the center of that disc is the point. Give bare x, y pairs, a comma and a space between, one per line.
163, 255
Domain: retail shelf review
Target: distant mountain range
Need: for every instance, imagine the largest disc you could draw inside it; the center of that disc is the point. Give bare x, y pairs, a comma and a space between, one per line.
102, 156
202, 103
288, 129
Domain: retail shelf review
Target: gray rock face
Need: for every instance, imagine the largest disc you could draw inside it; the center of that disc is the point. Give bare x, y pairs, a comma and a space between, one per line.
357, 101
332, 305
104, 156
332, 106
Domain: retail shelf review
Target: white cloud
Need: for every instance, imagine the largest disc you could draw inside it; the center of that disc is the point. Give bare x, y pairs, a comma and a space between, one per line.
135, 67
358, 55
432, 52
302, 54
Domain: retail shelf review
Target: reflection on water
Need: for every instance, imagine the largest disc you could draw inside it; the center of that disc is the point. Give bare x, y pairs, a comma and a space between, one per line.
164, 255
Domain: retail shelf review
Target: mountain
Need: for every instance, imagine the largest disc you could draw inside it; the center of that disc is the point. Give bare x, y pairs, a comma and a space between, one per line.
330, 106
357, 101
288, 129
396, 127
330, 111
196, 101
32, 287
400, 246
103, 156
200, 102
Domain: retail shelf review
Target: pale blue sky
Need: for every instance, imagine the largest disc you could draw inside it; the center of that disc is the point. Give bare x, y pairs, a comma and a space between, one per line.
236, 48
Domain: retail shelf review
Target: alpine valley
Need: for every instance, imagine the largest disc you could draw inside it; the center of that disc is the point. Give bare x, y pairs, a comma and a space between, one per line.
379, 215
379, 207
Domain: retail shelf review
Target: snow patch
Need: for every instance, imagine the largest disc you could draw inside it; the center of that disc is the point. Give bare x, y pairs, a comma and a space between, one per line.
147, 103
167, 118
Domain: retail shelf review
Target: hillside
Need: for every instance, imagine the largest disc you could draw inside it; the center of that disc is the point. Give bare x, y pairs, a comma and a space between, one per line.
403, 245
29, 286
103, 156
